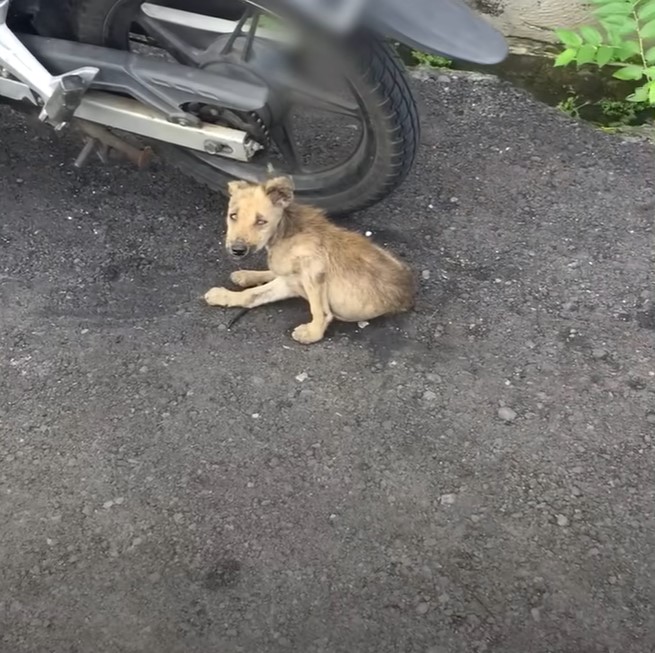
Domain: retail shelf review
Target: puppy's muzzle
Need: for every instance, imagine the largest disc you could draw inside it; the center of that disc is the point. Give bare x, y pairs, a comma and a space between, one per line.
238, 249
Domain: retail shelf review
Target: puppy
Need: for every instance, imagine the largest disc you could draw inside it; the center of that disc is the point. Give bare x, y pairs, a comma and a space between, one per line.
340, 273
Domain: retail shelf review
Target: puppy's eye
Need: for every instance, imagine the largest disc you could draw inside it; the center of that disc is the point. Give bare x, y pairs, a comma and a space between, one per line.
232, 216
260, 222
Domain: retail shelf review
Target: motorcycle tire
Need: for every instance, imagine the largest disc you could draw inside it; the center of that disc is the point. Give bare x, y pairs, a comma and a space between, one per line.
381, 81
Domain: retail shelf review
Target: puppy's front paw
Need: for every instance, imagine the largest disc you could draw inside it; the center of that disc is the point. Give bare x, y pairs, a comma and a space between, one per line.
218, 297
240, 278
307, 334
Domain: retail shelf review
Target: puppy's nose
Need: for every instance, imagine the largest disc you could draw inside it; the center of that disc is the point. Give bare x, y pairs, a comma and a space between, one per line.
239, 249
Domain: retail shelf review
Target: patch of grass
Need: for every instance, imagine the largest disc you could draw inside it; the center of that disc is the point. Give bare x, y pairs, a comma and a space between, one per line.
607, 113
572, 105
431, 60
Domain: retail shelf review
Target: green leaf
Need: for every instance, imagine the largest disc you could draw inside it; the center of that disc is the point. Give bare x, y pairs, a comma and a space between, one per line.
640, 94
566, 57
614, 21
628, 73
646, 10
614, 9
651, 94
648, 30
586, 54
650, 72
650, 55
628, 26
604, 55
569, 38
627, 50
591, 35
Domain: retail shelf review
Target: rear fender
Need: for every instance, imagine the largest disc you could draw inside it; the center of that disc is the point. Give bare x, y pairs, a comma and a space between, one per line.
442, 27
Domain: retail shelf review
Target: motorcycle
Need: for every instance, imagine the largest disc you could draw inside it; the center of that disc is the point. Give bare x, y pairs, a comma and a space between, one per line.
231, 89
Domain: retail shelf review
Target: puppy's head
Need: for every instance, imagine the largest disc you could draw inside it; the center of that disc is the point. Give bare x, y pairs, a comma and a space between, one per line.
254, 213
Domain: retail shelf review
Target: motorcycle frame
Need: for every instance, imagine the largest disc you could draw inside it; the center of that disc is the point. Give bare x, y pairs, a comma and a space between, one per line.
151, 91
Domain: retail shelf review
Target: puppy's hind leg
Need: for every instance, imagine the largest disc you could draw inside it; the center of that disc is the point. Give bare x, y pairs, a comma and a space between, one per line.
273, 291
315, 287
250, 278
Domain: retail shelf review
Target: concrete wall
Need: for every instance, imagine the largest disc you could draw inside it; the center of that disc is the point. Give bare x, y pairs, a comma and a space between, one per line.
532, 19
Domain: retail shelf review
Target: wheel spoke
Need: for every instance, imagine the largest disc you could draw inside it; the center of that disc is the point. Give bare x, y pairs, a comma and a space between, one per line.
282, 136
167, 39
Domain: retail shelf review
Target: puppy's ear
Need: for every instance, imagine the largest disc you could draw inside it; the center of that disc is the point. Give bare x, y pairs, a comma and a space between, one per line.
279, 191
234, 186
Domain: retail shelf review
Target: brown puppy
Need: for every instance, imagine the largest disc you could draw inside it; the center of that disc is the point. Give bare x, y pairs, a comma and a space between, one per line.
340, 273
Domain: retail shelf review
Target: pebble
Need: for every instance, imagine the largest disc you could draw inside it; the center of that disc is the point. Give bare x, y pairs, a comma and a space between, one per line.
562, 520
368, 234
506, 414
447, 499
108, 504
428, 395
443, 78
178, 517
422, 608
303, 376
425, 274
650, 418
599, 353
536, 614
363, 324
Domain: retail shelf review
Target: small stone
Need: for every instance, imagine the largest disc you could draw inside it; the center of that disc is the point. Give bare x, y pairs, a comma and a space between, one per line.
506, 414
599, 353
19, 180
536, 614
143, 369
368, 234
303, 376
577, 469
576, 491
454, 200
428, 395
612, 580
443, 78
425, 274
108, 504
650, 417
593, 552
447, 499
178, 517
422, 608
256, 416
562, 520
119, 500
363, 324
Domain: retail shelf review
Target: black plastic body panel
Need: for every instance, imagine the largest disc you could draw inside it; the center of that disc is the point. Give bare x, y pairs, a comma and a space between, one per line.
157, 83
446, 27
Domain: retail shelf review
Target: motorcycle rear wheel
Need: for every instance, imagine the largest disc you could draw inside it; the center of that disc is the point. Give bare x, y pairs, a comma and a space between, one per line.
390, 122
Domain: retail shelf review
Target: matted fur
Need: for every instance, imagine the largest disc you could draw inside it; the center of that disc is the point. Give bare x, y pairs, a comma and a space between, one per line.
342, 274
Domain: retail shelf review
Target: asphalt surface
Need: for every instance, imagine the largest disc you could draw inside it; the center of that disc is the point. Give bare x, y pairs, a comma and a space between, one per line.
474, 476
